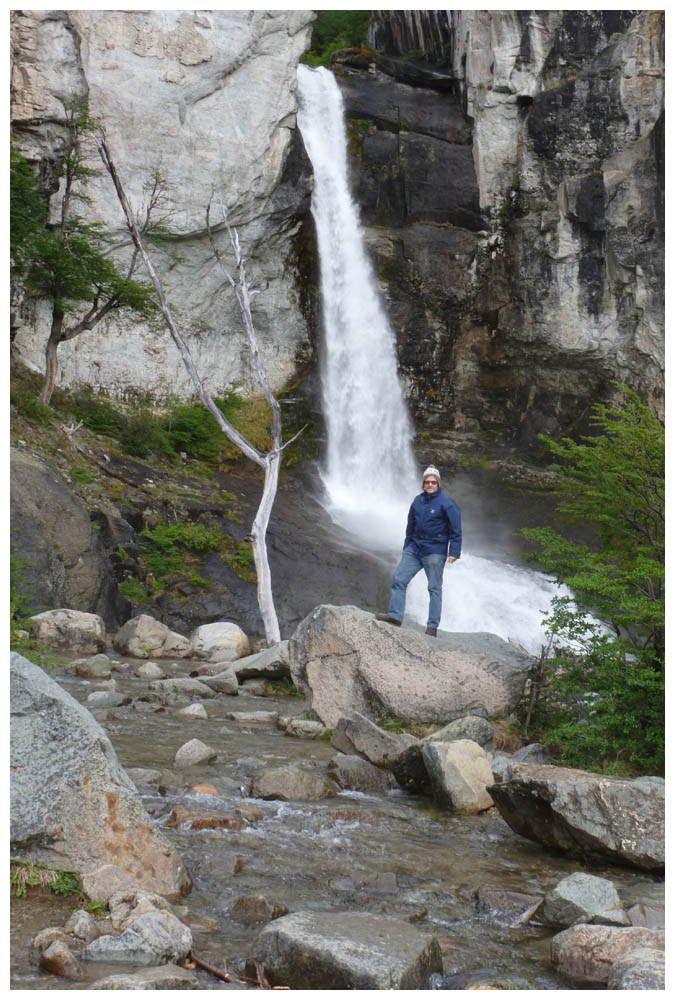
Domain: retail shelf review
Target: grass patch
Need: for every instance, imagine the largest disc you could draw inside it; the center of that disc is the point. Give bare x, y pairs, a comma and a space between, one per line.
282, 687
133, 590
26, 875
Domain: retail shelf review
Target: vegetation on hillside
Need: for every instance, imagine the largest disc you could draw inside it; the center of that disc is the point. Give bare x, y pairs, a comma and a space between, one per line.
601, 698
334, 30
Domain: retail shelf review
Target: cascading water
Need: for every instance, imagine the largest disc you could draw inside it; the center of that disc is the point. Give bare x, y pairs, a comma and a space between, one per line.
370, 473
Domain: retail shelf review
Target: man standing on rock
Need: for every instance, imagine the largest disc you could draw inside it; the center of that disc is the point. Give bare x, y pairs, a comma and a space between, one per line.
434, 522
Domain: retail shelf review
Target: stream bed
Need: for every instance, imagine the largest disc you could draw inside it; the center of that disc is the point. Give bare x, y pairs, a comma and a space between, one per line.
390, 853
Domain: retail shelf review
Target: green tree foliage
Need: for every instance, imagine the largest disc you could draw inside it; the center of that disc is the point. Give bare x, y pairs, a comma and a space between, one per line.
68, 261
333, 30
604, 692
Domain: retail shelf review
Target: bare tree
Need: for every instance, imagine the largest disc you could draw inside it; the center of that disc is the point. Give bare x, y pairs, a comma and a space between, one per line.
269, 461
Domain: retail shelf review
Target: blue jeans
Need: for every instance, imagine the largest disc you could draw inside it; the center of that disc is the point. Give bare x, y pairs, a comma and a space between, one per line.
408, 567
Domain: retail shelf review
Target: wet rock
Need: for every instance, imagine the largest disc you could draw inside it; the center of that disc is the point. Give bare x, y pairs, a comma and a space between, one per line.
256, 686
107, 699
163, 977
72, 804
505, 904
219, 641
261, 717
194, 752
98, 666
292, 782
250, 812
81, 924
353, 772
411, 772
150, 671
306, 729
194, 711
347, 661
224, 682
144, 775
220, 867
585, 813
583, 899
586, 953
354, 733
127, 905
346, 951
49, 936
271, 663
192, 820
176, 688
205, 790
460, 773
60, 961
477, 979
639, 969
152, 939
255, 909
380, 884
64, 628
106, 685
145, 638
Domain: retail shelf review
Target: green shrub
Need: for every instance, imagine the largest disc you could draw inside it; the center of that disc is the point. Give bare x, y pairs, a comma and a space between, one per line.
164, 548
82, 476
143, 435
99, 414
334, 30
133, 590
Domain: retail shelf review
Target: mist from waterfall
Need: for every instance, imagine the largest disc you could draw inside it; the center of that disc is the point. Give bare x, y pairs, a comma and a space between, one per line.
370, 475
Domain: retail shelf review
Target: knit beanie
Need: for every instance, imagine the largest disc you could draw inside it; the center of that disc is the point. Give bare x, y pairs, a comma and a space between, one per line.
432, 471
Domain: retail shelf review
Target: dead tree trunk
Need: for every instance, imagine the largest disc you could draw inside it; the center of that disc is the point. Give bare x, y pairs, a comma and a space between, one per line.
269, 461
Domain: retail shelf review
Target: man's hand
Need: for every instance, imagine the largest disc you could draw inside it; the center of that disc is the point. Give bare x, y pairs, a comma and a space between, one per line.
452, 559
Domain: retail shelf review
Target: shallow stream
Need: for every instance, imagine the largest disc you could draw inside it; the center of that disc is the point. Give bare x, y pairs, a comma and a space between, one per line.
387, 853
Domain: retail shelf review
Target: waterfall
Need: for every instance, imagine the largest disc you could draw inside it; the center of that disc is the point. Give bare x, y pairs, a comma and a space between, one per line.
370, 472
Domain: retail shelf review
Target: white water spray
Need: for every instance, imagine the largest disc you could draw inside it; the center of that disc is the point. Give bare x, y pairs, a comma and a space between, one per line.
370, 474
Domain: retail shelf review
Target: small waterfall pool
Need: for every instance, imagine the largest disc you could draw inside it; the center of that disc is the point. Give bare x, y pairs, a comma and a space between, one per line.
369, 474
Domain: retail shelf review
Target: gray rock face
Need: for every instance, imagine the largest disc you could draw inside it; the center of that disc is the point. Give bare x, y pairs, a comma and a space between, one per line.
587, 953
145, 637
586, 813
72, 805
176, 688
347, 661
514, 314
346, 951
270, 663
167, 83
98, 666
224, 682
194, 752
471, 727
65, 565
639, 969
66, 628
583, 899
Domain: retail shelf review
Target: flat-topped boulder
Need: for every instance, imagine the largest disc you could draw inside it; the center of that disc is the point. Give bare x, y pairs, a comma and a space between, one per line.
66, 628
346, 660
585, 813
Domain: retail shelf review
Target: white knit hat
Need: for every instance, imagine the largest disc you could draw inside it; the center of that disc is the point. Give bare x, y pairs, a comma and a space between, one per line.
432, 471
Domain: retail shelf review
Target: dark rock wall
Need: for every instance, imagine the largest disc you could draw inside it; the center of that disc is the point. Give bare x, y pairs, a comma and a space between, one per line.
509, 169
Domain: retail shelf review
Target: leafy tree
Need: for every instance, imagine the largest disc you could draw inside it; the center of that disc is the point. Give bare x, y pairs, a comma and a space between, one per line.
68, 261
333, 30
604, 693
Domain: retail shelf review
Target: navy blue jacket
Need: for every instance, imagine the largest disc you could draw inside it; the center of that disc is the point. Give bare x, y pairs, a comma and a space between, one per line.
434, 520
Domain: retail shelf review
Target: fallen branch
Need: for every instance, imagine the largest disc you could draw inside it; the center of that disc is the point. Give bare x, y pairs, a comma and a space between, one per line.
223, 973
529, 912
101, 465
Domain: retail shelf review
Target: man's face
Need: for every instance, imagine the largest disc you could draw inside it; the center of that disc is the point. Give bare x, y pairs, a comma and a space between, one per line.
430, 484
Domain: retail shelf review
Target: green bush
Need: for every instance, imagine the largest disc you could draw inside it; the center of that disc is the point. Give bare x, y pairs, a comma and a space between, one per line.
334, 30
133, 590
164, 547
143, 435
99, 414
602, 698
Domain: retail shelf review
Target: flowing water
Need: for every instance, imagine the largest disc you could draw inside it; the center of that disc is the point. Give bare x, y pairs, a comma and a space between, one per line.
390, 853
370, 474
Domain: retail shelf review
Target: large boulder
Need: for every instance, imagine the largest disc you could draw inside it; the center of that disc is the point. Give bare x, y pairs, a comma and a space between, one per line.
219, 641
587, 953
270, 663
352, 771
586, 814
346, 660
65, 628
583, 899
72, 804
292, 782
147, 638
639, 969
346, 951
153, 938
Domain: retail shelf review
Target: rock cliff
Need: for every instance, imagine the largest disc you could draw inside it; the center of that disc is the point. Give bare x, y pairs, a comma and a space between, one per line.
209, 98
509, 165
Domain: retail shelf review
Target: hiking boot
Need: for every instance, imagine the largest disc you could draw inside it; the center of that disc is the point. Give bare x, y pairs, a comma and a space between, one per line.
430, 630
389, 619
